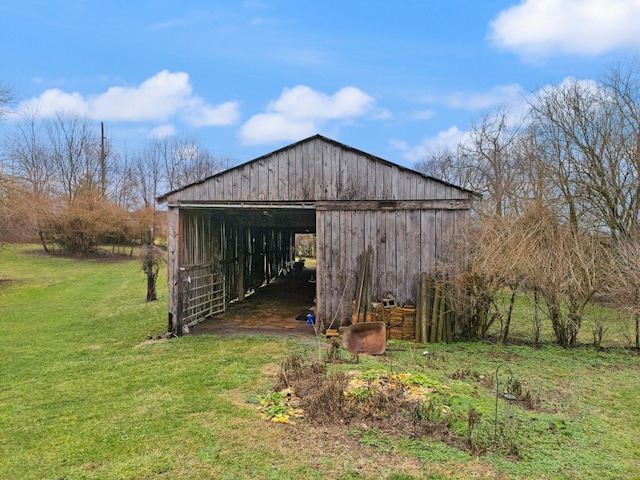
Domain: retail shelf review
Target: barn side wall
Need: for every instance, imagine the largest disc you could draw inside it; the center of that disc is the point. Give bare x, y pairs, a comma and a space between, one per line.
404, 244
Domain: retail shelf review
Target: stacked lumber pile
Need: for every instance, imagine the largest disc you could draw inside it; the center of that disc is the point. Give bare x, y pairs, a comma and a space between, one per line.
431, 321
400, 321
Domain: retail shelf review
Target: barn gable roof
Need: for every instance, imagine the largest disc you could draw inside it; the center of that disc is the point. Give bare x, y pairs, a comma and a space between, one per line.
316, 169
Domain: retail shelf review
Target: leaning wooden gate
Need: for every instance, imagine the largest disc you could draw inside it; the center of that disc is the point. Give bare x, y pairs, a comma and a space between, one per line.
202, 293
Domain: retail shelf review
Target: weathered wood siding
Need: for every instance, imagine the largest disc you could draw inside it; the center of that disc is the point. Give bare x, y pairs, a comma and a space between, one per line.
404, 244
316, 170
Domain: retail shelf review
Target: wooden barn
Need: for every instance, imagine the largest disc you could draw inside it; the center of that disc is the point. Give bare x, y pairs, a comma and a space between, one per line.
235, 231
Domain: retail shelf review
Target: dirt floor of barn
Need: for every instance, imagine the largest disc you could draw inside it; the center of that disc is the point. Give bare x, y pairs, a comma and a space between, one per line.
273, 309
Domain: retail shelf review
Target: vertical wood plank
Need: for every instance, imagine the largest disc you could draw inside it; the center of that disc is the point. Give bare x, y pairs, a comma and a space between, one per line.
263, 180
334, 180
272, 179
392, 261
337, 245
378, 184
325, 178
297, 174
306, 169
321, 269
371, 179
438, 245
362, 177
371, 228
254, 181
429, 241
413, 254
421, 188
381, 254
401, 254
343, 177
283, 176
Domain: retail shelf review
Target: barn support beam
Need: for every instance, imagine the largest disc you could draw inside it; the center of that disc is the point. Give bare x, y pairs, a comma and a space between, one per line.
241, 233
173, 274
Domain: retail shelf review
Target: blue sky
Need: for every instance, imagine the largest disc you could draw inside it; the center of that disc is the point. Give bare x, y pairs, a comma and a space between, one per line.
394, 79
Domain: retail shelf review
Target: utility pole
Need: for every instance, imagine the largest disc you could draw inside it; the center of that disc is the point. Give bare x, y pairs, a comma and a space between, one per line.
103, 168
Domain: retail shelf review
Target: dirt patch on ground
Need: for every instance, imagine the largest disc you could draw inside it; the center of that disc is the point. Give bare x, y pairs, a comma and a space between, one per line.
272, 309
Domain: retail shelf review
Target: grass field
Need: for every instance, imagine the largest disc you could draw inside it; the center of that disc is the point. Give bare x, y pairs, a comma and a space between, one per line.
85, 395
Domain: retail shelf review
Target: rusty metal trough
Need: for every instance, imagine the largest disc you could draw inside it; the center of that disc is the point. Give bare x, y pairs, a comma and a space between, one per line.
368, 337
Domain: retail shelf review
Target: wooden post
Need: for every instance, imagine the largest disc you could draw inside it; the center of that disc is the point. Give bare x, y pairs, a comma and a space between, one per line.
425, 293
173, 270
434, 314
419, 310
177, 319
241, 239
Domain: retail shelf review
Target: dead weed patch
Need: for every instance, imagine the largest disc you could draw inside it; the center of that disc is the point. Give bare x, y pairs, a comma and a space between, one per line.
400, 404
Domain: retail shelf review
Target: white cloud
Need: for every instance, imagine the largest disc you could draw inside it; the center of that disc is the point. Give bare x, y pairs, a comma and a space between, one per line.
302, 102
164, 96
274, 127
538, 28
447, 138
301, 111
162, 131
157, 98
55, 100
200, 114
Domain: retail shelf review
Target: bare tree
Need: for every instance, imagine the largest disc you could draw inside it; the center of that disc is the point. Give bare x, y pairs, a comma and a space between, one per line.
151, 257
494, 264
147, 170
185, 162
123, 182
6, 97
623, 280
623, 83
27, 154
564, 266
75, 152
446, 163
590, 139
490, 152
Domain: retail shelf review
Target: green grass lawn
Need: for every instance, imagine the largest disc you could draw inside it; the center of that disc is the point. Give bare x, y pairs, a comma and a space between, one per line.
85, 395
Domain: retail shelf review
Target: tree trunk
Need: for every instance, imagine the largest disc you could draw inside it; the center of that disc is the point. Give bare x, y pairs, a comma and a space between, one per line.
44, 244
151, 285
536, 317
505, 330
